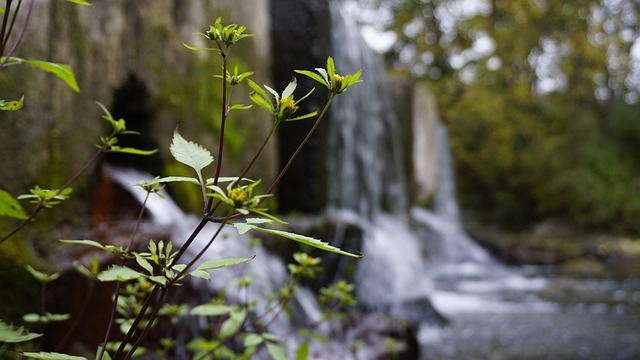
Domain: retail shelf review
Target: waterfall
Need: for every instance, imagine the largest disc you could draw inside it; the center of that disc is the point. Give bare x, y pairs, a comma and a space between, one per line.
366, 175
366, 172
450, 246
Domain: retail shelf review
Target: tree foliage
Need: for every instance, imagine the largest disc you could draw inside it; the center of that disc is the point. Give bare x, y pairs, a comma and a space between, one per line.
540, 100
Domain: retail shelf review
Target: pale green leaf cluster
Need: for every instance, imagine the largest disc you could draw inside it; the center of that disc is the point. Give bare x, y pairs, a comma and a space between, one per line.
328, 77
283, 106
119, 127
46, 197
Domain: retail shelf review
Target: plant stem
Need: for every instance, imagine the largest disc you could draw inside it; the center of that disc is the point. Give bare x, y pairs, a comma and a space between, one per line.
24, 28
66, 185
223, 119
116, 294
152, 317
136, 322
4, 36
302, 144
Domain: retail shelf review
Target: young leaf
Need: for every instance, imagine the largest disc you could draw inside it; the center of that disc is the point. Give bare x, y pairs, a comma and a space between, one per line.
62, 71
319, 244
211, 310
233, 323
52, 356
276, 351
12, 334
133, 151
221, 263
10, 206
303, 351
190, 154
40, 276
80, 2
119, 273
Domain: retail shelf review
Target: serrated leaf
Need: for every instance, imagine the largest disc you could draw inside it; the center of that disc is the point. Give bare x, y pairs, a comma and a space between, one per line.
52, 356
307, 240
222, 263
211, 310
119, 273
276, 351
10, 206
12, 334
190, 154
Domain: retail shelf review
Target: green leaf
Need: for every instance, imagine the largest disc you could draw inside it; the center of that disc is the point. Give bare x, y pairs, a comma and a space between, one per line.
233, 323
212, 310
12, 334
109, 248
319, 244
222, 263
253, 340
62, 71
200, 48
144, 263
276, 351
40, 276
46, 318
313, 75
331, 68
10, 206
80, 2
190, 154
130, 150
178, 179
52, 356
119, 273
303, 351
12, 105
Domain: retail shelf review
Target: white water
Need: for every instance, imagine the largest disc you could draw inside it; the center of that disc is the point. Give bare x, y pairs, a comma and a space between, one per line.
401, 264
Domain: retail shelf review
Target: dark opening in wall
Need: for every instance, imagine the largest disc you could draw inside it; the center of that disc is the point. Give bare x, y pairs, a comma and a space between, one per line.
131, 103
300, 33
109, 200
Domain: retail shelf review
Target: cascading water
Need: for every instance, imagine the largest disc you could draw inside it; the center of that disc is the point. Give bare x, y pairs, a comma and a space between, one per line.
367, 176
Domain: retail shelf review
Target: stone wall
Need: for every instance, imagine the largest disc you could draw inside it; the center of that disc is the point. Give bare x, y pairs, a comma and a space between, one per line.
134, 49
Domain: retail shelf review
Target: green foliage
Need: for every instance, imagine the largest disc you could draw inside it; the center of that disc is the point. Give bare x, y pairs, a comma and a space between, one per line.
13, 334
526, 151
51, 356
12, 105
62, 71
144, 278
10, 207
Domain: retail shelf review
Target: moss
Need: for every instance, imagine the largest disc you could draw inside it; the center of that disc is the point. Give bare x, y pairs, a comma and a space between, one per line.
18, 288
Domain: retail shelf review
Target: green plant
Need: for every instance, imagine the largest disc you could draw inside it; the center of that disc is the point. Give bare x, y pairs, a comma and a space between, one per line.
143, 279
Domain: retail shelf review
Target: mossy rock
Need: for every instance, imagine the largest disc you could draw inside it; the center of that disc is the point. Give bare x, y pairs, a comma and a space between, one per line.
583, 267
19, 289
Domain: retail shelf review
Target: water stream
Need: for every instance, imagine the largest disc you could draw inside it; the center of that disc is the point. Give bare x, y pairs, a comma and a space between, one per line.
495, 311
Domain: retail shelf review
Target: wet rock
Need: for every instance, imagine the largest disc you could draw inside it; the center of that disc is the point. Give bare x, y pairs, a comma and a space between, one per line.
381, 336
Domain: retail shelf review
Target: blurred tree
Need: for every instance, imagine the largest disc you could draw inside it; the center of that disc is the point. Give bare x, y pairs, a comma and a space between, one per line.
539, 97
